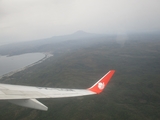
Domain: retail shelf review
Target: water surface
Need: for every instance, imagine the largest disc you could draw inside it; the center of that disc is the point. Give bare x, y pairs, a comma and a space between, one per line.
13, 63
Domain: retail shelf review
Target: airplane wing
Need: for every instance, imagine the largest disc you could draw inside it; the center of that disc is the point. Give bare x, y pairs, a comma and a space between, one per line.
26, 95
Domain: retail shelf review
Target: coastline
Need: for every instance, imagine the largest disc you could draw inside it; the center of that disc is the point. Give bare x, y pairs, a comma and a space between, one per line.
47, 55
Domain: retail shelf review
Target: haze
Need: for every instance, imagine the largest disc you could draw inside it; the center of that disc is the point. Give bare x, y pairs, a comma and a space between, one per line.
22, 20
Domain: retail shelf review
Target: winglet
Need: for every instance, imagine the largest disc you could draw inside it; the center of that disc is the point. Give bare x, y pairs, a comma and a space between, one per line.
100, 85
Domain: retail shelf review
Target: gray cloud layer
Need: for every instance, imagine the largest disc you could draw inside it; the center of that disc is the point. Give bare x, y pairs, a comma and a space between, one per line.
34, 19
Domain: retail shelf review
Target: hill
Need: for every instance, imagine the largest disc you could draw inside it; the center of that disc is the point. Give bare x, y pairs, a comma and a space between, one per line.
50, 44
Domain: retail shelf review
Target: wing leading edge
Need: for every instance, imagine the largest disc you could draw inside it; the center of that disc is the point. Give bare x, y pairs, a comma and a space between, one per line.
26, 95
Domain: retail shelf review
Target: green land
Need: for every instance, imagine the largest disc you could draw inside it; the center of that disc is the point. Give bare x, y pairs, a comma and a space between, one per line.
132, 94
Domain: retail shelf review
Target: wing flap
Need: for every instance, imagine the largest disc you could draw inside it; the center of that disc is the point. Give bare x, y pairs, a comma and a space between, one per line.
30, 103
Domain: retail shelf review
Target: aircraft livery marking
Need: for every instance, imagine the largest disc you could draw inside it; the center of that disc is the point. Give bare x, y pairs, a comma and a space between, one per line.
101, 86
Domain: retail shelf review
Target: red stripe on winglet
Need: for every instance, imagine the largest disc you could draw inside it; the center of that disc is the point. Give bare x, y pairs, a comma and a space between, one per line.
100, 85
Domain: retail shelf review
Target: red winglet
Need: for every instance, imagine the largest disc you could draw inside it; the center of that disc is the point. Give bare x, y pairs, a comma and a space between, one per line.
100, 85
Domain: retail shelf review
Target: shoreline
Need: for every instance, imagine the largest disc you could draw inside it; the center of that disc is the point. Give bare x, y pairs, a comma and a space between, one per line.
47, 55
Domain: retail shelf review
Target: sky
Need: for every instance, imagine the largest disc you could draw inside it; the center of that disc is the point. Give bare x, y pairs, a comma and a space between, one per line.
23, 20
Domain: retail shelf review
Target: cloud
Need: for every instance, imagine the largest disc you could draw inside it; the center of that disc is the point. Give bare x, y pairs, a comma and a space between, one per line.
34, 19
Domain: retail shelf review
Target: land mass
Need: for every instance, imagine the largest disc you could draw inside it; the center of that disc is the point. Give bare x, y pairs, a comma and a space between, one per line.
133, 93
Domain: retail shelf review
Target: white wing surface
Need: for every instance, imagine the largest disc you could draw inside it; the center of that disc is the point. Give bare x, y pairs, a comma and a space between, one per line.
26, 95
